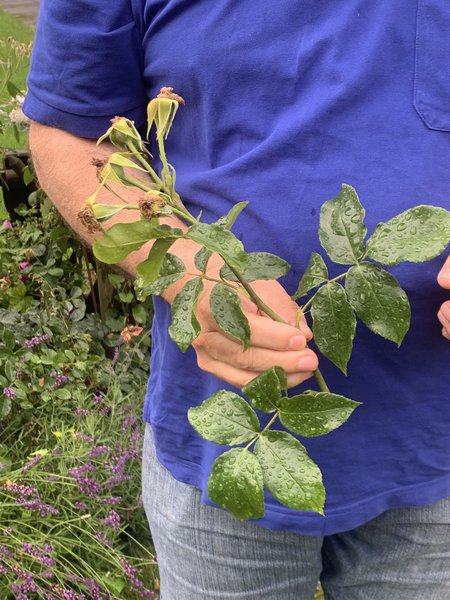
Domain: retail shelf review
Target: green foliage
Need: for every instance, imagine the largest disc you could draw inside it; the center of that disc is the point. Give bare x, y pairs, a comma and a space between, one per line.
70, 419
366, 291
226, 309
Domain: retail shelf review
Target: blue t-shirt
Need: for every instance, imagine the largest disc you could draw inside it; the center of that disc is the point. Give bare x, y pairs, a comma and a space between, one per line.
284, 102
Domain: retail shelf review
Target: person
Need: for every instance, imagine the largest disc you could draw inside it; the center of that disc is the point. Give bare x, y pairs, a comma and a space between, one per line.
284, 102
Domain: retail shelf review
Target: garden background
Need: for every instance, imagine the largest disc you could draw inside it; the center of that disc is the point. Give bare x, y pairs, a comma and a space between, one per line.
74, 353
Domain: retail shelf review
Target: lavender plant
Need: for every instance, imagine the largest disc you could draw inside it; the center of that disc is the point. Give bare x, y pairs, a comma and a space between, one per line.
262, 456
71, 520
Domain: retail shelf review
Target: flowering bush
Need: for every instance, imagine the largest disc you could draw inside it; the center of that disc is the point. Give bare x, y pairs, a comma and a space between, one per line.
71, 390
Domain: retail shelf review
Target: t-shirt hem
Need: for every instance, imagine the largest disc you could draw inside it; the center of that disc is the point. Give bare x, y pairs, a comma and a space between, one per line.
87, 126
334, 521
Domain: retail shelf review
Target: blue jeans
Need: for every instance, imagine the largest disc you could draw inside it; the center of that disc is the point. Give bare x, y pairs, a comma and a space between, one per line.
205, 554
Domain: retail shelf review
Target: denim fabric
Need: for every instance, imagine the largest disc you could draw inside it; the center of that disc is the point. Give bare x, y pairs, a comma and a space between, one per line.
206, 554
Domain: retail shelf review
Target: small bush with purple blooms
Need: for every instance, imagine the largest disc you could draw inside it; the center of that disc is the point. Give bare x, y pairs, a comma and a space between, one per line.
71, 389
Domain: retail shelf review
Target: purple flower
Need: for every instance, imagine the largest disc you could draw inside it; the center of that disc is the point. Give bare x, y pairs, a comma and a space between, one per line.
60, 379
36, 340
99, 451
24, 265
9, 392
132, 574
112, 520
7, 224
102, 538
32, 463
81, 506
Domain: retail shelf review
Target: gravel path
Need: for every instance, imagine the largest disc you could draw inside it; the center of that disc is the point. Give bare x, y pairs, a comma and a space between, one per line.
24, 9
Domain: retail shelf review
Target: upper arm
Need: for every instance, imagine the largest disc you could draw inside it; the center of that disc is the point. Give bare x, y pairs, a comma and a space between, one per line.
86, 66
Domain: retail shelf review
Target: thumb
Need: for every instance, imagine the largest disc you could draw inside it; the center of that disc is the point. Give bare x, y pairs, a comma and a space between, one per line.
444, 275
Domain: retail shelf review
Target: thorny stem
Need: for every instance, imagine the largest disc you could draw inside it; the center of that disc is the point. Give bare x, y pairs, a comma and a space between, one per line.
273, 315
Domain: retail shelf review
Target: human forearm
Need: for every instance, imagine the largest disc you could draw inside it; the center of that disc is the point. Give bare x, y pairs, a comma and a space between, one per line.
65, 169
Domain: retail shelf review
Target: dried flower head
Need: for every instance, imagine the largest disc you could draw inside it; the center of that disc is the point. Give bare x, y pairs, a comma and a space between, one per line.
129, 332
153, 205
87, 217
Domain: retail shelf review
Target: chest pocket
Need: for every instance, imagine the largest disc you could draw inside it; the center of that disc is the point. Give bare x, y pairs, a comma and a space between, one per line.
432, 68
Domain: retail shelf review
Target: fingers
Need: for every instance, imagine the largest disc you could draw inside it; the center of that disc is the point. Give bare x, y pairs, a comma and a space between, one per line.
444, 318
241, 377
444, 275
226, 359
266, 333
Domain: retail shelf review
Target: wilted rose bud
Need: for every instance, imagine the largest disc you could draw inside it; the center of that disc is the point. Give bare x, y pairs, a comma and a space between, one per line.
162, 110
123, 133
29, 253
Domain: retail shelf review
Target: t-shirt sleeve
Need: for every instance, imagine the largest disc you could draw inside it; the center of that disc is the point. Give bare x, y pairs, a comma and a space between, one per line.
86, 66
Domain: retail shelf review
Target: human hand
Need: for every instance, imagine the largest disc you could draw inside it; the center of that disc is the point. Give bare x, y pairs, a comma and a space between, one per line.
271, 343
444, 311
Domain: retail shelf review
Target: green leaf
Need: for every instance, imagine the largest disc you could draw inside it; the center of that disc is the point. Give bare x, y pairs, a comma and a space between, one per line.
220, 240
379, 301
225, 418
63, 394
341, 229
235, 211
264, 392
185, 326
226, 309
103, 212
315, 274
236, 483
315, 413
261, 266
172, 269
4, 214
6, 406
416, 235
149, 269
121, 239
289, 474
9, 339
334, 324
201, 259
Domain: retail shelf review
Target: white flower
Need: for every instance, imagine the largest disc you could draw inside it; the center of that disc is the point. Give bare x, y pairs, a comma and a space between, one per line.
18, 117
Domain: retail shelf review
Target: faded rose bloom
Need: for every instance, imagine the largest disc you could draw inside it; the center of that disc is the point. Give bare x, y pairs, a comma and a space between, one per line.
129, 332
7, 224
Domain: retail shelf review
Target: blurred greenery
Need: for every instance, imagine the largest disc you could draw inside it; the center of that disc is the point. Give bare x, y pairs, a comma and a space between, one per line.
21, 32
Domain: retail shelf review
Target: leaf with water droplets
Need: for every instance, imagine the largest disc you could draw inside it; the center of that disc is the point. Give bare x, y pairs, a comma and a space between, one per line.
334, 324
171, 270
315, 274
289, 473
123, 238
229, 219
261, 266
236, 483
220, 240
225, 418
226, 309
379, 301
148, 270
185, 326
341, 229
201, 258
416, 235
315, 413
264, 392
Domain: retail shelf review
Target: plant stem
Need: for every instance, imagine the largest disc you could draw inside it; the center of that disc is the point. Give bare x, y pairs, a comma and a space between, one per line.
153, 174
273, 315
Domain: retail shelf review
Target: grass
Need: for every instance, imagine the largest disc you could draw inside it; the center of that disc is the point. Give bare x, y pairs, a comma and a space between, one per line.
12, 27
